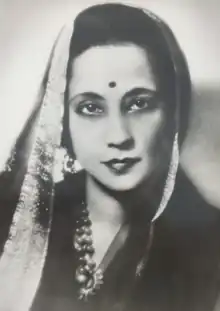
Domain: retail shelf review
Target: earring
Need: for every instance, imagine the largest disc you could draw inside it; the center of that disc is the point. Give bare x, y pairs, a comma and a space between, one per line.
69, 165
64, 164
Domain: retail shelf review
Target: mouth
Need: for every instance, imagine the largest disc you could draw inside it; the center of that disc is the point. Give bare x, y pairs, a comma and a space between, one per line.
121, 166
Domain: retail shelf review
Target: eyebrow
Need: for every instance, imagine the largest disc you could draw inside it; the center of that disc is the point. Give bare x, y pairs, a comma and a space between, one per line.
137, 91
133, 92
88, 95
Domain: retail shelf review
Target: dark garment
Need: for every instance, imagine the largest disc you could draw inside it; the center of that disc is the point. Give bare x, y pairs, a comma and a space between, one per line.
182, 273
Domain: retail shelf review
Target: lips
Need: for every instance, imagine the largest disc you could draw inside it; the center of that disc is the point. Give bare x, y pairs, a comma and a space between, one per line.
121, 166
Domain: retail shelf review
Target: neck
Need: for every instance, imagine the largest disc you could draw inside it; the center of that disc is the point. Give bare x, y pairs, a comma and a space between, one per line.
103, 207
115, 207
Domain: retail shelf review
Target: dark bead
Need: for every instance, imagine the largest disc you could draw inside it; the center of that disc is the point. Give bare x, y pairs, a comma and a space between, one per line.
91, 264
80, 230
84, 247
78, 247
80, 270
88, 240
82, 259
90, 249
84, 237
85, 212
88, 230
88, 269
79, 239
87, 257
86, 221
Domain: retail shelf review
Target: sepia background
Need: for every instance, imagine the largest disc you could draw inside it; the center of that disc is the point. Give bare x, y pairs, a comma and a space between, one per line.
28, 29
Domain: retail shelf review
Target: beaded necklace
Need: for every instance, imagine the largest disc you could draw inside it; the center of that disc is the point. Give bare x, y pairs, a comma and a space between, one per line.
88, 275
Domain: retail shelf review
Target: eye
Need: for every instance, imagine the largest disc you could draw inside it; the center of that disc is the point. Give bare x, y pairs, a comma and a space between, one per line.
139, 104
89, 108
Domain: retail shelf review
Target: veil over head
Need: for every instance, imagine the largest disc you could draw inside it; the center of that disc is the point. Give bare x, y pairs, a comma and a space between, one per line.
24, 252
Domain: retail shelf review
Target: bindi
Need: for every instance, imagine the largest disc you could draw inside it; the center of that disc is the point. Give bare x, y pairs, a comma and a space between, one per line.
112, 84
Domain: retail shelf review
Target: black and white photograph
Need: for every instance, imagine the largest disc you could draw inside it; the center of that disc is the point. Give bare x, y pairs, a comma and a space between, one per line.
110, 155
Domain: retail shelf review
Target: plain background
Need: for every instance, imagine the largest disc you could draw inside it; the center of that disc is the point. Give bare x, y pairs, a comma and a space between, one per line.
28, 29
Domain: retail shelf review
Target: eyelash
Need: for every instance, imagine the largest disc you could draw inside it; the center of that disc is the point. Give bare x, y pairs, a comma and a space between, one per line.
88, 104
144, 103
147, 104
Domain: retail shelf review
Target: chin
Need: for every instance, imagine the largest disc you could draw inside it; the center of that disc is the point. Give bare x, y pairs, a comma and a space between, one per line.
123, 183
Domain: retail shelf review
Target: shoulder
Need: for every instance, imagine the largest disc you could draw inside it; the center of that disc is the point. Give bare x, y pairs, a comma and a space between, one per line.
191, 228
186, 248
188, 207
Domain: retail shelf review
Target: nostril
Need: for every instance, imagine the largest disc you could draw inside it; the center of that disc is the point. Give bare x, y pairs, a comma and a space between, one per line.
118, 133
125, 145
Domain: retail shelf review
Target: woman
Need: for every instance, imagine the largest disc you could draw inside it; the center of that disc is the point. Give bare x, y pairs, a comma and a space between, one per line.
101, 239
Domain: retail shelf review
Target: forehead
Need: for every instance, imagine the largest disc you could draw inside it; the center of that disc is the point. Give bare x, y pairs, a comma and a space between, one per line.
128, 65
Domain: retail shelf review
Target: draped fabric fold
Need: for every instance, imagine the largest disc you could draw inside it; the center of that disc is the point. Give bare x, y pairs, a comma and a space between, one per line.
23, 257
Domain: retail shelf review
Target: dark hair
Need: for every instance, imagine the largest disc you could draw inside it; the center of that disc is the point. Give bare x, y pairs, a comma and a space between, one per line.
117, 23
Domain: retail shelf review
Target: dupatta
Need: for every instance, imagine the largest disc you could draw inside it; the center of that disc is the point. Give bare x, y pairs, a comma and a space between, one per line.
24, 252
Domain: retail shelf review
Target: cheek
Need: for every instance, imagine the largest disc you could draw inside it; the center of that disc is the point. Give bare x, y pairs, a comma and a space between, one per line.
86, 136
147, 130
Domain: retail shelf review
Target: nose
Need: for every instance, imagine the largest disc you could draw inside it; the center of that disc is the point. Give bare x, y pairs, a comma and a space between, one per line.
118, 134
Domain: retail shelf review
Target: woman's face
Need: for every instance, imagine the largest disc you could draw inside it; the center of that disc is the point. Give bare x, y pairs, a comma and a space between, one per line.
116, 115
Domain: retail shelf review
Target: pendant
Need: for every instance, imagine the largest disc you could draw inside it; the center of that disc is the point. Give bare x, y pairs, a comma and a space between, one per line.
93, 283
